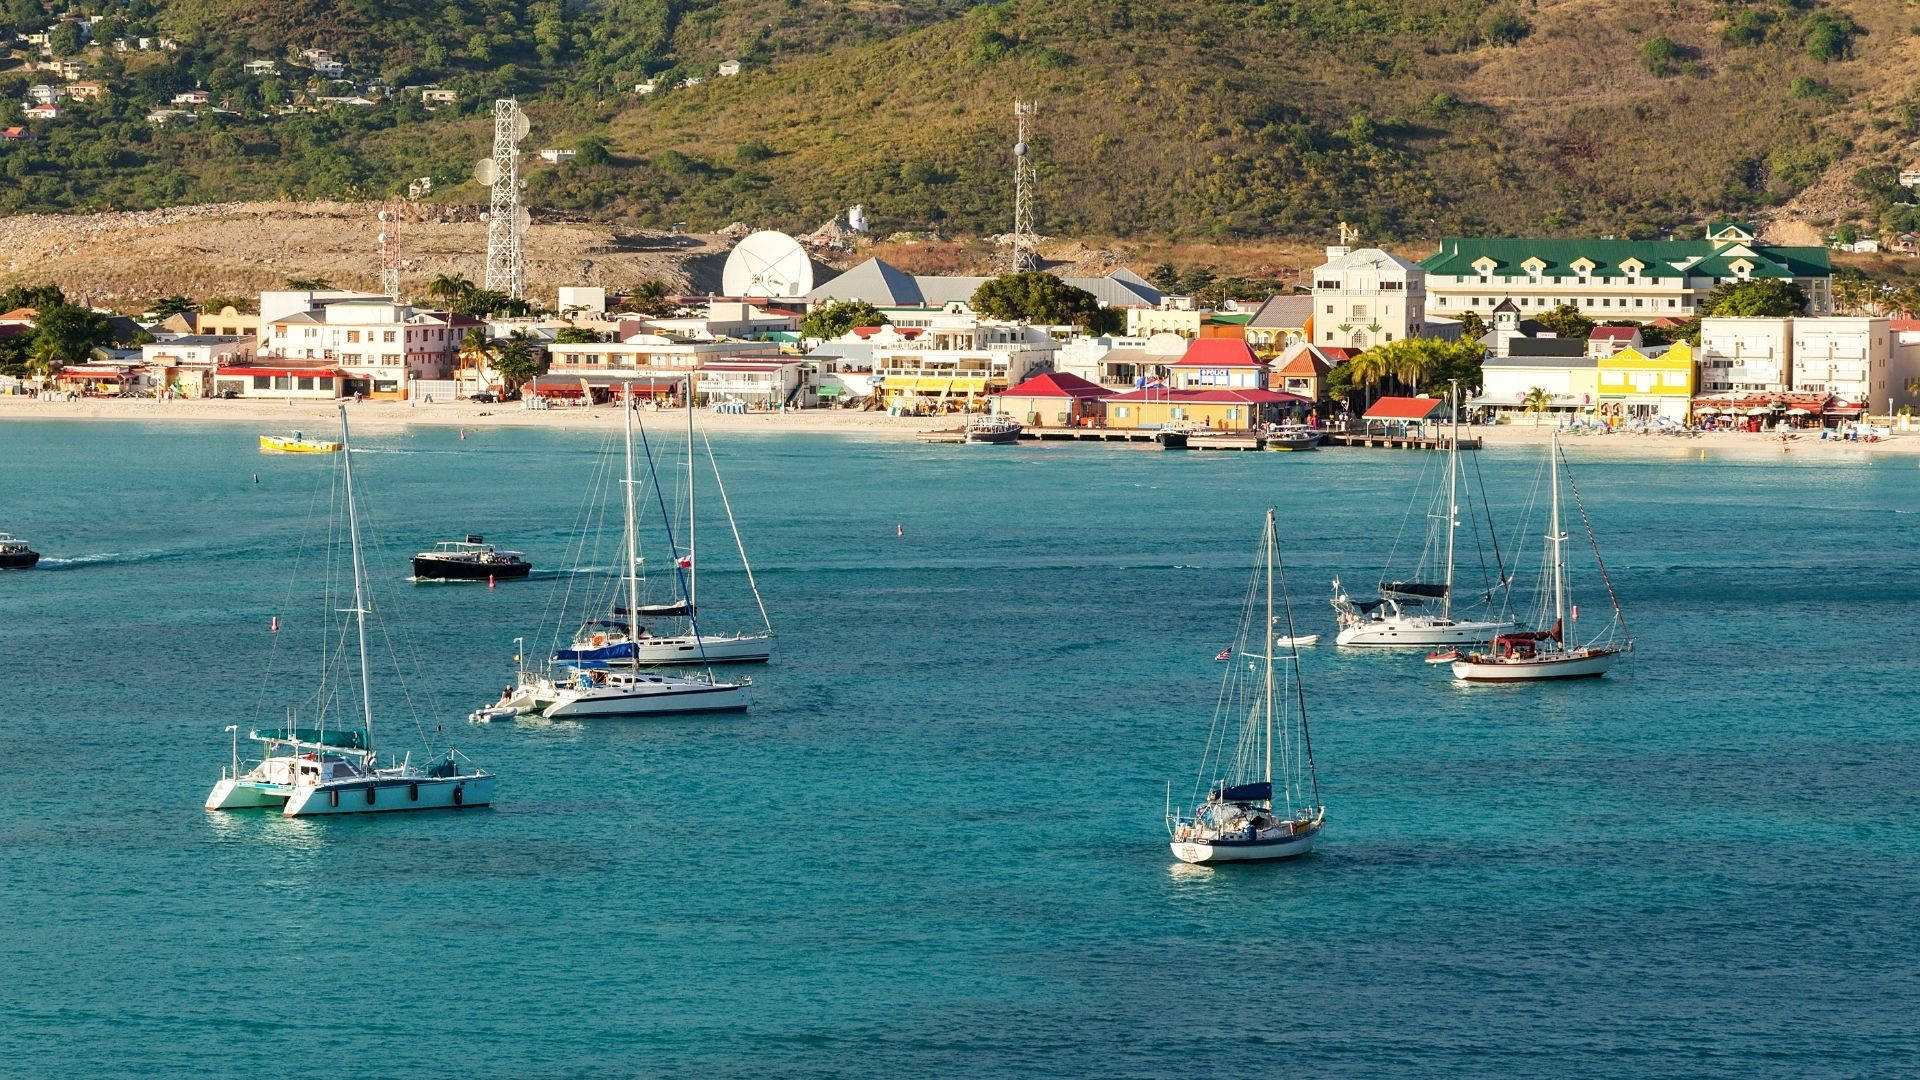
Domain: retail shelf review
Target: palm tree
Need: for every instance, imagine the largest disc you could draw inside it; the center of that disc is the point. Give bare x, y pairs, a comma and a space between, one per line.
1369, 368
1536, 402
45, 358
476, 352
447, 288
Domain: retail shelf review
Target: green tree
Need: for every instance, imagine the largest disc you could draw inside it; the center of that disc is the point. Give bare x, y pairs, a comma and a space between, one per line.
1566, 321
68, 334
1537, 402
838, 317
1473, 327
519, 362
574, 335
1039, 297
31, 296
1769, 297
302, 284
64, 39
168, 306
1504, 26
592, 150
1829, 36
1164, 277
448, 288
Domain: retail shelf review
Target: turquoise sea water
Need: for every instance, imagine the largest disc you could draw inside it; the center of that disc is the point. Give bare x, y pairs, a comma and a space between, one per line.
935, 844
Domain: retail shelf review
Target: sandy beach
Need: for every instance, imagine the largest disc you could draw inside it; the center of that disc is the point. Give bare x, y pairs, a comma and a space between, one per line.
319, 417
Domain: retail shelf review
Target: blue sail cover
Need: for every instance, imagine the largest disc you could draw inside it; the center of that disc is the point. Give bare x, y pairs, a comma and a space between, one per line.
1260, 792
621, 650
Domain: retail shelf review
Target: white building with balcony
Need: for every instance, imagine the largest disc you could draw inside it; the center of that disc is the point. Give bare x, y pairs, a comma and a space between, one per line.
957, 363
1365, 297
383, 346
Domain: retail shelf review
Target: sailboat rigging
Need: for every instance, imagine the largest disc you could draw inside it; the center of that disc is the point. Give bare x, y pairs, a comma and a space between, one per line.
1556, 652
308, 771
1253, 811
1416, 613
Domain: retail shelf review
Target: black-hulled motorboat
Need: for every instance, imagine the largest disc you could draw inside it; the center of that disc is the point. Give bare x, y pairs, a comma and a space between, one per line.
472, 559
15, 554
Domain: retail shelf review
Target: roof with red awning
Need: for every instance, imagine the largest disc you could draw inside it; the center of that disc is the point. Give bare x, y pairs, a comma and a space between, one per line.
1404, 408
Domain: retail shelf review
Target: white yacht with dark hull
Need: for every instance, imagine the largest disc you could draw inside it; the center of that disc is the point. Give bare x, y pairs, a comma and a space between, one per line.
309, 771
1419, 613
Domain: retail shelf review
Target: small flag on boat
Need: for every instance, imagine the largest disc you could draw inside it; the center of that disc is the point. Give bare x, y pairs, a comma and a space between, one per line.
1224, 654
686, 562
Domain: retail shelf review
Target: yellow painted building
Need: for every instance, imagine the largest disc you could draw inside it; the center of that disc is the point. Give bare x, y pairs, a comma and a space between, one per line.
1632, 385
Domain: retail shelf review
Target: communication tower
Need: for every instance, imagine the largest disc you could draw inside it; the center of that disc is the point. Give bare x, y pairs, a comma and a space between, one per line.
390, 215
1023, 245
506, 219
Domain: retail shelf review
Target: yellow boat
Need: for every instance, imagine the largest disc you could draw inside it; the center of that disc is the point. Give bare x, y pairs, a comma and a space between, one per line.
295, 444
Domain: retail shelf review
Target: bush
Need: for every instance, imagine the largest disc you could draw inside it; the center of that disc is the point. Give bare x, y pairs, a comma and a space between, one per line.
1829, 36
1747, 29
753, 150
1504, 26
1661, 56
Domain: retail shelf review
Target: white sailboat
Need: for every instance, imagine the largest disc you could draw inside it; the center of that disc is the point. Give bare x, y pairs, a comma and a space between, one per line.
309, 771
626, 639
1418, 614
576, 685
1556, 652
1253, 811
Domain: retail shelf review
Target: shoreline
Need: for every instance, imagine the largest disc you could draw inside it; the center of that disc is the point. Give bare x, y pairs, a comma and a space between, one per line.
318, 416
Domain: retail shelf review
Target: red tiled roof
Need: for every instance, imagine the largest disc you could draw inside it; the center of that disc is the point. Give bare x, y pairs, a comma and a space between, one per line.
1339, 354
1305, 360
1404, 408
1218, 397
1218, 352
1898, 325
1614, 333
1055, 384
864, 332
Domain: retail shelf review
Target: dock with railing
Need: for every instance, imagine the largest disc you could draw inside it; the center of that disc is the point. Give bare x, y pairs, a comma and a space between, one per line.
1395, 440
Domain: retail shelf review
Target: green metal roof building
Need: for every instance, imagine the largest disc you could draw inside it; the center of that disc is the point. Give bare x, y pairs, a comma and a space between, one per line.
1614, 280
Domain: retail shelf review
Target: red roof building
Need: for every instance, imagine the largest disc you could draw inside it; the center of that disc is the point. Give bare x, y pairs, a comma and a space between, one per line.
1406, 408
1248, 396
1055, 384
1219, 353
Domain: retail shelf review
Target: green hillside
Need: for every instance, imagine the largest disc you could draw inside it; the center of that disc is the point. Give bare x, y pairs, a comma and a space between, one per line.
1176, 118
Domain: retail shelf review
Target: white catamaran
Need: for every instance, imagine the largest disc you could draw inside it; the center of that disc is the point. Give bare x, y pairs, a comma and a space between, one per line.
1263, 796
1417, 613
626, 639
580, 683
307, 771
1556, 652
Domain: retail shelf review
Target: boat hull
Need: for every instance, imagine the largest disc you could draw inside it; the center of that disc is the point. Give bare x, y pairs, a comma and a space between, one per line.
1223, 851
1412, 634
387, 795
1311, 442
709, 649
244, 795
277, 445
579, 704
19, 560
429, 569
1298, 641
994, 438
1591, 665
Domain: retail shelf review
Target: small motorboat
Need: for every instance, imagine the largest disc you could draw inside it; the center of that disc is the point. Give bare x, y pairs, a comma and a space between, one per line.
16, 555
1443, 656
472, 559
997, 428
1297, 641
296, 443
1292, 437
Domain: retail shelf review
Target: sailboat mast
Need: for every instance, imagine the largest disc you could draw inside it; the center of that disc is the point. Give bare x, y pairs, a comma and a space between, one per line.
359, 577
1268, 553
1558, 540
633, 554
693, 558
1453, 498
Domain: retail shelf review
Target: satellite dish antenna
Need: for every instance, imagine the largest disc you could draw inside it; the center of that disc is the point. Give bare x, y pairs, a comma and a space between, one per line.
524, 217
521, 126
767, 264
485, 172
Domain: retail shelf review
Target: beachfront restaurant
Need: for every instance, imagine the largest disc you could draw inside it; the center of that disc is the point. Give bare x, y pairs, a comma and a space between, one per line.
1219, 409
1054, 399
96, 380
306, 383
1405, 416
602, 389
1769, 411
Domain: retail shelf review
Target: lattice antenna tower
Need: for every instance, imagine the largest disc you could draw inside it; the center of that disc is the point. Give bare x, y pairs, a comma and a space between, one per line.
390, 216
506, 218
1023, 245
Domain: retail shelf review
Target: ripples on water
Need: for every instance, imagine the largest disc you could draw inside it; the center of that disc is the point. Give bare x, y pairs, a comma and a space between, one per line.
935, 844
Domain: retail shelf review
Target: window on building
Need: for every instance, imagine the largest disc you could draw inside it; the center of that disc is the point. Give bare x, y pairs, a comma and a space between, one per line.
1329, 309
326, 382
280, 382
386, 335
1605, 302
1639, 302
1359, 311
353, 335
1389, 335
262, 382
1442, 303
306, 382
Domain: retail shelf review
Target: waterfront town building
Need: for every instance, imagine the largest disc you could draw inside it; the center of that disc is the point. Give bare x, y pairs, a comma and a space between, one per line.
1279, 322
1641, 384
1053, 399
1365, 297
1856, 359
1571, 383
383, 346
1210, 363
1612, 280
186, 364
958, 362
